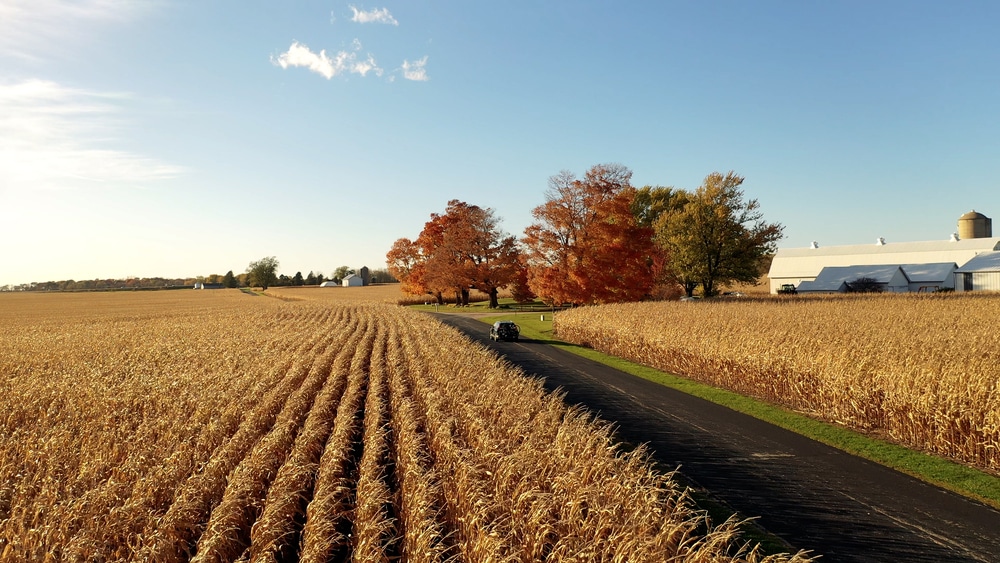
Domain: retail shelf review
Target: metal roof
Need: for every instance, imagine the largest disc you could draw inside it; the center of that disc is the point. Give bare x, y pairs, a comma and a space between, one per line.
822, 286
925, 273
834, 278
985, 262
881, 274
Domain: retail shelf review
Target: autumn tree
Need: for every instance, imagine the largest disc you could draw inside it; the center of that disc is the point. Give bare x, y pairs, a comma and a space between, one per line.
586, 245
464, 248
648, 205
519, 288
263, 272
405, 262
717, 236
487, 257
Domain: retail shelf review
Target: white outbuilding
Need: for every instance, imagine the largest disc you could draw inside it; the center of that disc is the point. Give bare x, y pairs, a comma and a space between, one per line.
329, 284
353, 280
980, 273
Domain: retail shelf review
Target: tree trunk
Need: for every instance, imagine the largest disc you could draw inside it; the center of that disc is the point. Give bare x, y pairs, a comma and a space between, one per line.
465, 297
709, 287
494, 301
689, 288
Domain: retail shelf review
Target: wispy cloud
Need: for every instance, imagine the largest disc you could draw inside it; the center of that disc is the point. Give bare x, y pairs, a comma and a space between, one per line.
378, 15
30, 29
416, 70
55, 137
299, 55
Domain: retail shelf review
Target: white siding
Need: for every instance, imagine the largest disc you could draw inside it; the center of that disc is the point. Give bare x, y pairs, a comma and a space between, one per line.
977, 281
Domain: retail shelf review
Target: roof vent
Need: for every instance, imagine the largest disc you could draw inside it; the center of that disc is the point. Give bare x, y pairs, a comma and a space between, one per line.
954, 237
814, 245
880, 241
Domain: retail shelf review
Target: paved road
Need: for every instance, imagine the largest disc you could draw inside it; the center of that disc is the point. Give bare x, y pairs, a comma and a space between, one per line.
812, 496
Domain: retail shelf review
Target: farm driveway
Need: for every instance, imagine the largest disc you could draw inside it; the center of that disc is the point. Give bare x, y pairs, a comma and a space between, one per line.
812, 496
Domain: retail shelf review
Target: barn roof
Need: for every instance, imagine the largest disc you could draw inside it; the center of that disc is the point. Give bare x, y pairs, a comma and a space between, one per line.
924, 273
881, 273
985, 262
836, 278
808, 262
838, 286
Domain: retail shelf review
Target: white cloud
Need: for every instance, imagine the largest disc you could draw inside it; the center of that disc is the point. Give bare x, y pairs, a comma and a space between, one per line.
30, 28
54, 137
299, 55
416, 70
378, 15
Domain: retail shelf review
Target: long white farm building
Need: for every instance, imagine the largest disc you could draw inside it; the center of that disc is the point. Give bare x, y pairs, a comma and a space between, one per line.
969, 261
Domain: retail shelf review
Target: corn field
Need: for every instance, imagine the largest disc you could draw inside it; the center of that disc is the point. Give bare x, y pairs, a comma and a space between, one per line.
217, 426
919, 370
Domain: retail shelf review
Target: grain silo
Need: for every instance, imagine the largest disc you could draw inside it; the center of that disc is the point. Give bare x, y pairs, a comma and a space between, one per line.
974, 225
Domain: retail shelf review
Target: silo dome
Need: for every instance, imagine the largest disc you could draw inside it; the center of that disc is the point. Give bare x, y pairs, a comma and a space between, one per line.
974, 225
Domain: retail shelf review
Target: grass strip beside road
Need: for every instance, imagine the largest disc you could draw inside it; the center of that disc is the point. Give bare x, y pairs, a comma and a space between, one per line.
961, 479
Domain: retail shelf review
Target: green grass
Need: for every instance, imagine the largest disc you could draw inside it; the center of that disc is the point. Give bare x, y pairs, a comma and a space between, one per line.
944, 473
506, 305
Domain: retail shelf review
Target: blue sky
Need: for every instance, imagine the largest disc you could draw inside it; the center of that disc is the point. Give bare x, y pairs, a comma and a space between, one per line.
186, 138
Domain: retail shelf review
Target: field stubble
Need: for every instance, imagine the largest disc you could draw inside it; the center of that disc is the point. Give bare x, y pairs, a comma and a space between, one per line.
217, 426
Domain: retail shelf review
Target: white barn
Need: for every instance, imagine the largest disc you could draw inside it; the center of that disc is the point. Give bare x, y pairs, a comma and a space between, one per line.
980, 273
353, 280
797, 265
329, 284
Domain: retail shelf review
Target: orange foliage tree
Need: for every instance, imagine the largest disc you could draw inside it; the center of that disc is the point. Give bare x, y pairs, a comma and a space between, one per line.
462, 249
586, 245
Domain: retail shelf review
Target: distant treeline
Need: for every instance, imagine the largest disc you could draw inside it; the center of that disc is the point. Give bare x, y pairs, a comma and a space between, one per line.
214, 280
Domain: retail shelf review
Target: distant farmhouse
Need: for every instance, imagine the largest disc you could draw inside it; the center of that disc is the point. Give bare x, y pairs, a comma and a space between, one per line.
359, 279
970, 261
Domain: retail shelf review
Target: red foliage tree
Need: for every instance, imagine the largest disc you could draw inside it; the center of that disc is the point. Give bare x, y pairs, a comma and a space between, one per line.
586, 245
462, 249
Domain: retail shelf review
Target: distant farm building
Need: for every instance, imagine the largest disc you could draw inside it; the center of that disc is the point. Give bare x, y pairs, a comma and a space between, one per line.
980, 273
329, 284
898, 267
888, 278
353, 280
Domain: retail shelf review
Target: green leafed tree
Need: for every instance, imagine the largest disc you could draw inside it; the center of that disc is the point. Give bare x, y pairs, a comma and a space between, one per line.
650, 202
717, 237
263, 273
342, 272
229, 280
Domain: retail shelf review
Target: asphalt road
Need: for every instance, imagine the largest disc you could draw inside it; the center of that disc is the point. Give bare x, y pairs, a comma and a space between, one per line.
810, 495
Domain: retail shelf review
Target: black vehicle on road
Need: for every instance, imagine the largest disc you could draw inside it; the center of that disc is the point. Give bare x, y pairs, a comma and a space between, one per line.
504, 330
